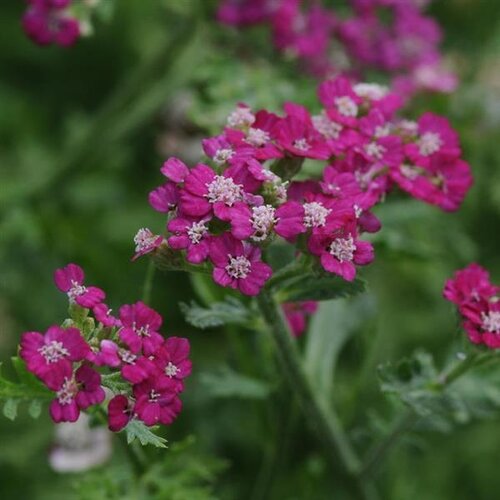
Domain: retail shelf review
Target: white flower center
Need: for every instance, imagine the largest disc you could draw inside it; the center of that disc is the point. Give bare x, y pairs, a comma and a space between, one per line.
263, 219
223, 155
409, 172
238, 267
343, 249
223, 189
382, 130
408, 127
371, 91
375, 150
326, 127
358, 211
301, 144
197, 231
429, 143
241, 117
142, 331
67, 392
154, 396
346, 106
144, 239
76, 290
127, 357
315, 214
171, 370
491, 322
53, 351
257, 137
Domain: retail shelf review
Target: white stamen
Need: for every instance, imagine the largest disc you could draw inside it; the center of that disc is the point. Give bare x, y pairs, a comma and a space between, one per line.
223, 155
429, 143
315, 214
346, 106
154, 396
76, 290
257, 137
326, 127
67, 392
127, 357
238, 267
144, 239
371, 91
143, 331
53, 351
375, 150
171, 370
263, 220
223, 189
491, 322
196, 232
301, 144
241, 117
409, 171
343, 249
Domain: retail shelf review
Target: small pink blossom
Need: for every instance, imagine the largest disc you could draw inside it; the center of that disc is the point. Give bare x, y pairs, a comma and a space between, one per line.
70, 279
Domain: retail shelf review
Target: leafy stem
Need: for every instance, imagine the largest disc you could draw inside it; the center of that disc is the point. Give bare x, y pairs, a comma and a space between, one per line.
322, 418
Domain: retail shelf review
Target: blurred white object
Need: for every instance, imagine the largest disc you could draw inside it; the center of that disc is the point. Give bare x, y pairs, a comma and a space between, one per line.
78, 447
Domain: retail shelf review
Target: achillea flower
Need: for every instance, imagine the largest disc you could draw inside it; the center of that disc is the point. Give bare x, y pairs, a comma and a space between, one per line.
297, 313
51, 355
237, 265
192, 235
70, 279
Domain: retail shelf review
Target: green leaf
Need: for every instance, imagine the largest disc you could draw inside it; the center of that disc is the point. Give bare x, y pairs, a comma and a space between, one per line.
10, 409
323, 287
331, 327
35, 408
138, 430
226, 383
115, 383
230, 311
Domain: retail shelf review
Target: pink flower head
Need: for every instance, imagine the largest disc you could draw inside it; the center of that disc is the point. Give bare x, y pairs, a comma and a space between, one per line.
119, 413
69, 279
48, 22
90, 391
471, 284
64, 407
483, 327
444, 183
204, 191
339, 248
340, 100
435, 138
106, 355
103, 314
140, 325
171, 359
50, 356
192, 235
296, 134
257, 223
145, 242
221, 151
237, 265
296, 314
157, 401
164, 198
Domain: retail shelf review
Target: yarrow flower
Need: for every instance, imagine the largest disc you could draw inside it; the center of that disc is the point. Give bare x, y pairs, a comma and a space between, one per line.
75, 365
478, 302
394, 37
225, 213
50, 22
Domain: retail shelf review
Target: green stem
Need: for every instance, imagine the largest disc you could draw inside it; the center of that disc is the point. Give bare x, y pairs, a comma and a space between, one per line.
409, 418
323, 420
148, 282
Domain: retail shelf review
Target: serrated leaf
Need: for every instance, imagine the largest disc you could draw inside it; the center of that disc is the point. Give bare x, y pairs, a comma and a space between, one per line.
226, 383
230, 311
35, 408
10, 409
115, 383
138, 430
324, 287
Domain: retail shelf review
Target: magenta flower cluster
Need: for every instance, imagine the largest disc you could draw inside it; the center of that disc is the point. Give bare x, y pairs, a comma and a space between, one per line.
71, 360
49, 22
389, 35
478, 302
227, 211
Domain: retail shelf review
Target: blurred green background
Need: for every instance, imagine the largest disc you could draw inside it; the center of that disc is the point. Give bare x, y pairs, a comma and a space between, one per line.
83, 132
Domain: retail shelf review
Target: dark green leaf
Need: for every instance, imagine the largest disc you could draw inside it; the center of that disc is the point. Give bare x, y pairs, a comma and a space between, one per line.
138, 430
231, 311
